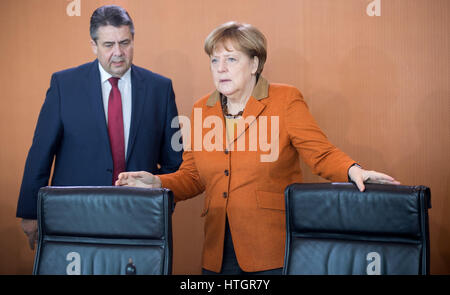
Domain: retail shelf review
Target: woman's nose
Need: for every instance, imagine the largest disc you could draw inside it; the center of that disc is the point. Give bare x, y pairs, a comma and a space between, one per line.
222, 66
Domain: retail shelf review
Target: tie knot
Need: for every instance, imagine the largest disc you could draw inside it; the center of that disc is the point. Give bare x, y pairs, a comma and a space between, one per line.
113, 81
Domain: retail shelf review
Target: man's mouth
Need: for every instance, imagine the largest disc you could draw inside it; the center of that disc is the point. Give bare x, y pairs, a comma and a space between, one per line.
117, 63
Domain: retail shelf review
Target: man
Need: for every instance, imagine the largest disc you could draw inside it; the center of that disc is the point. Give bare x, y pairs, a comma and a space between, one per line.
100, 119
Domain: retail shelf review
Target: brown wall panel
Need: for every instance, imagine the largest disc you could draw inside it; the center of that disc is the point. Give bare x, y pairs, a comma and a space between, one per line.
378, 86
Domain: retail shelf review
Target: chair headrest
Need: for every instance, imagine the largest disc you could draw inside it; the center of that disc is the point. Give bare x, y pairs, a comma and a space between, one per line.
104, 211
342, 208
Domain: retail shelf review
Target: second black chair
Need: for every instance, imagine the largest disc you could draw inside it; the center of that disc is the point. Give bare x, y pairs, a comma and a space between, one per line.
333, 228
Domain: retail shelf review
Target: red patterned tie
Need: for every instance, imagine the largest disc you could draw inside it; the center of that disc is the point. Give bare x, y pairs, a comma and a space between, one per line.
115, 128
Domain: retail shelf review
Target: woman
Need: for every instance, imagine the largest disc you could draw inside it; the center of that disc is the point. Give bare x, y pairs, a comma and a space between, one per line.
244, 182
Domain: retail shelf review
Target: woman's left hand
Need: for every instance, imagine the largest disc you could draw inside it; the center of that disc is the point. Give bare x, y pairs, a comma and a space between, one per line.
360, 176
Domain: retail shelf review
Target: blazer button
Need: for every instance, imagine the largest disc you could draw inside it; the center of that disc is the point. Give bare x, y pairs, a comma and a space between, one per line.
226, 151
226, 172
109, 170
225, 195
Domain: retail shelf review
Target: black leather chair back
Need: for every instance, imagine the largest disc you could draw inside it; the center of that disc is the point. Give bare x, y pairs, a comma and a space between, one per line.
332, 228
104, 230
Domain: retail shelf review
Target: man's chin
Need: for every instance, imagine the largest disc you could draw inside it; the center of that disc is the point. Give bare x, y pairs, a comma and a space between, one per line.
118, 71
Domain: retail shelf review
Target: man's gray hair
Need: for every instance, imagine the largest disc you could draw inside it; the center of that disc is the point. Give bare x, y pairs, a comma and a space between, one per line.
109, 15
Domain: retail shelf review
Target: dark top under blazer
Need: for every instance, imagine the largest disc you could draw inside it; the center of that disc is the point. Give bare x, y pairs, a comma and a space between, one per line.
72, 129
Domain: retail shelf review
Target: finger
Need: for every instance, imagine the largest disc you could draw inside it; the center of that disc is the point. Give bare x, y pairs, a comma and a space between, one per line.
361, 186
380, 176
31, 242
359, 183
124, 181
377, 177
141, 175
136, 173
389, 181
384, 181
127, 177
384, 177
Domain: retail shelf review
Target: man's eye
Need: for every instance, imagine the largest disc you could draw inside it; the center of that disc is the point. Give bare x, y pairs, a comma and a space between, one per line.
214, 60
232, 59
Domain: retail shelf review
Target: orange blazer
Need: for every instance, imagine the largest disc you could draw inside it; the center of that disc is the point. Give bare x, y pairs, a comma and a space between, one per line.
245, 180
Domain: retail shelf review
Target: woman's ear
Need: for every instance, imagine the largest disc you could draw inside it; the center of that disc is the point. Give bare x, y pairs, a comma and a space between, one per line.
255, 64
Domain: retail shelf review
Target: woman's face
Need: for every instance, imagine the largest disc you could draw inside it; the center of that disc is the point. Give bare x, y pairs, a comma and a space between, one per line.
233, 71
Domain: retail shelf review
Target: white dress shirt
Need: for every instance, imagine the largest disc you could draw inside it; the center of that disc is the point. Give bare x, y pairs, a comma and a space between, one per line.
125, 92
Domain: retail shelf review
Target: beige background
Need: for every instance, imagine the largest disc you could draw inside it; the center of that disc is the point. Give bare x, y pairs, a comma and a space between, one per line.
378, 86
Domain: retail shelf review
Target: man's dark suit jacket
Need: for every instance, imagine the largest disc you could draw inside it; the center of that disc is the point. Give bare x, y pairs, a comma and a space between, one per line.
72, 130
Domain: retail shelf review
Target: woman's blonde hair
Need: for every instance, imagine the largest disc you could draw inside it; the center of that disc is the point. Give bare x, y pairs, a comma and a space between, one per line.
244, 37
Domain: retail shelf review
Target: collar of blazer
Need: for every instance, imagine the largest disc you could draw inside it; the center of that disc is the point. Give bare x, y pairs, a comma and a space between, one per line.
260, 91
253, 108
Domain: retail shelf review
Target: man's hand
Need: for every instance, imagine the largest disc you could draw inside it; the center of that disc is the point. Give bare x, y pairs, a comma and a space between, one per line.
29, 227
138, 179
360, 176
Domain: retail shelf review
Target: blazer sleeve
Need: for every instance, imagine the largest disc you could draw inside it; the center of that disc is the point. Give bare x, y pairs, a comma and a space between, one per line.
40, 157
169, 159
311, 143
186, 182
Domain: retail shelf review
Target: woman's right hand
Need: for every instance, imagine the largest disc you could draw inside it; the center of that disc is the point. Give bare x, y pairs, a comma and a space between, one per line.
138, 179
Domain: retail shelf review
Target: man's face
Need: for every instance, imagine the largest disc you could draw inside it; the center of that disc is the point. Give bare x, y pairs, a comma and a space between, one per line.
114, 49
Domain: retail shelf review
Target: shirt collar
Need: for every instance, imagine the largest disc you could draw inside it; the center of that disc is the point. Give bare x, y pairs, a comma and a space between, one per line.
104, 75
260, 91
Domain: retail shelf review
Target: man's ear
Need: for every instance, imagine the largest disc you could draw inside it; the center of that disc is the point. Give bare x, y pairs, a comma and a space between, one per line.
94, 46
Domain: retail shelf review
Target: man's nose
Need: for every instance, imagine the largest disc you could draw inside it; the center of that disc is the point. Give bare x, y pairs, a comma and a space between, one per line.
117, 51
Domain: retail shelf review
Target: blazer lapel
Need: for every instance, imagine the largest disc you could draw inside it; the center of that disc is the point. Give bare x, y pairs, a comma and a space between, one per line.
94, 92
254, 108
215, 109
254, 105
137, 105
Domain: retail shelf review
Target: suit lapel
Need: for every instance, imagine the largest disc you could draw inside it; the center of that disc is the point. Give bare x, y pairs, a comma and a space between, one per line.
137, 105
94, 91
